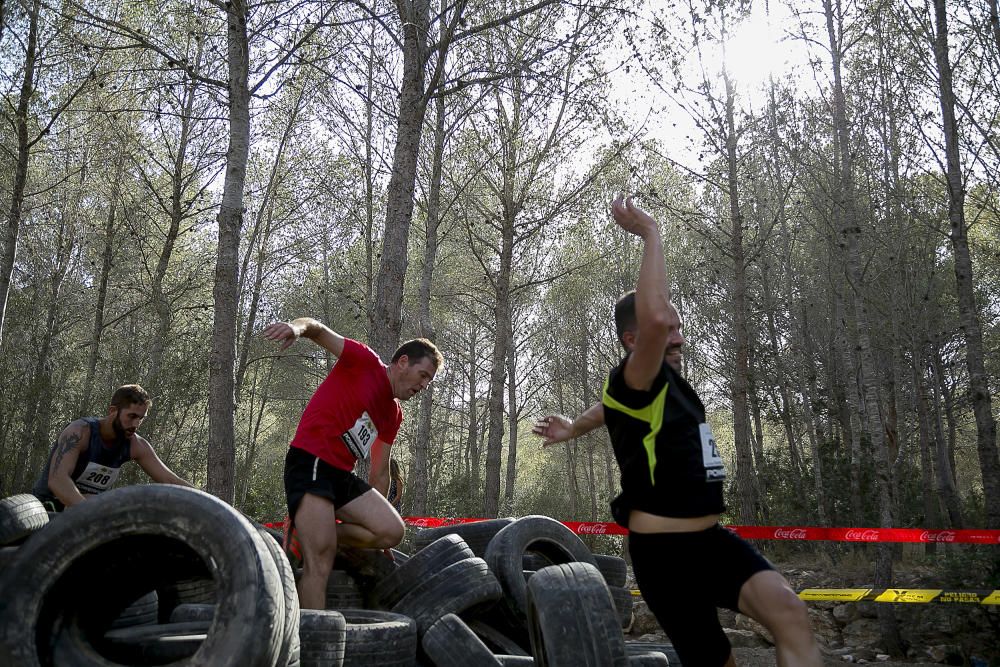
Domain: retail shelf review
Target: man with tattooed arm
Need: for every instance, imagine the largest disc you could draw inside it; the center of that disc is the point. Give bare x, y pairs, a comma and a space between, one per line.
89, 453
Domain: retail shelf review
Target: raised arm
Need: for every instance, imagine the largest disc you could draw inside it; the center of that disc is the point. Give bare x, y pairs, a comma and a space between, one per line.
72, 441
557, 428
652, 296
287, 333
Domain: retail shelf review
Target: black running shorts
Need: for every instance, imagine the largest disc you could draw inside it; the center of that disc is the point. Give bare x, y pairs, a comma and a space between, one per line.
685, 578
306, 473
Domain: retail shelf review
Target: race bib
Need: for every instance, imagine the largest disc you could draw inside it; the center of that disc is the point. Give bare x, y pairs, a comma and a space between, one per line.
360, 437
715, 470
96, 478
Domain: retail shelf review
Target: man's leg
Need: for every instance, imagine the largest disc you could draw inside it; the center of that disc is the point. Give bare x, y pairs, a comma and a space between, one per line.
766, 597
315, 522
369, 521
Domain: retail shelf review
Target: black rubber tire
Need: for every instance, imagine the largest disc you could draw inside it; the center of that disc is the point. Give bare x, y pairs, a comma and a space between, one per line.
541, 534
562, 635
449, 642
343, 592
20, 516
7, 555
649, 659
635, 648
193, 612
141, 612
155, 644
614, 569
189, 590
477, 534
379, 639
623, 604
420, 567
324, 635
135, 533
499, 639
467, 584
290, 644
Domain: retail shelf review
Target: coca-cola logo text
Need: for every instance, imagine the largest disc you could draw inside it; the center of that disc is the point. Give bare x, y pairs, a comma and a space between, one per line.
858, 535
592, 529
937, 536
790, 534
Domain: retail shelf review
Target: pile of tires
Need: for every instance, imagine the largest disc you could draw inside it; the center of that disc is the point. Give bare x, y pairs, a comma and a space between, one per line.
157, 575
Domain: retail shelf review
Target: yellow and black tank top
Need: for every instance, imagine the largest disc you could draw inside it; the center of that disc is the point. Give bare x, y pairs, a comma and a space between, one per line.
665, 450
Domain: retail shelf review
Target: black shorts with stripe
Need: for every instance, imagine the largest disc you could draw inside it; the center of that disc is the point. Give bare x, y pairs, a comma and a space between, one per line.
307, 473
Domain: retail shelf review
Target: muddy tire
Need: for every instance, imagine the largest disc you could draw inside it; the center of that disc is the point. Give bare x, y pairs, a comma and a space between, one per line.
141, 612
420, 567
146, 537
185, 613
477, 534
467, 584
20, 516
323, 635
500, 640
540, 534
154, 644
613, 568
649, 659
562, 636
636, 648
290, 644
449, 642
379, 639
623, 604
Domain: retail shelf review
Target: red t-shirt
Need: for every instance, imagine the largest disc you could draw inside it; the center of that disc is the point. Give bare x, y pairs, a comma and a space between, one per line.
351, 407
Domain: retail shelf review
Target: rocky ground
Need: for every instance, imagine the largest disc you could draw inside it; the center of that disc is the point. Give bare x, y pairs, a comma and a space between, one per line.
935, 634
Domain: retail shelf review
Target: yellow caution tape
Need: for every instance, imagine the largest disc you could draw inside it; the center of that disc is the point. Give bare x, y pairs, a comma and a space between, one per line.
906, 595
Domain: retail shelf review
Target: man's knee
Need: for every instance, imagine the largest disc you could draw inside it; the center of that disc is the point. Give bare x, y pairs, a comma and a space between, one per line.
390, 533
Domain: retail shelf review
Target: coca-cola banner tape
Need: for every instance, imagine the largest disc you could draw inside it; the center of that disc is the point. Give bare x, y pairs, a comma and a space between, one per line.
972, 536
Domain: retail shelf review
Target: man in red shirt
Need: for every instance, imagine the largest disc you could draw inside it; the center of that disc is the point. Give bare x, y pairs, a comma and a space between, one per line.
355, 413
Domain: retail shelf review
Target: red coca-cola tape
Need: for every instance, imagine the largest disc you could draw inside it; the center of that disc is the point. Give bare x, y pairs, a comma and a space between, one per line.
973, 536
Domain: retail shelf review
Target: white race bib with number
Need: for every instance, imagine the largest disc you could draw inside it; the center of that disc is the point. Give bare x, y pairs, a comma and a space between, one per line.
360, 437
96, 478
715, 470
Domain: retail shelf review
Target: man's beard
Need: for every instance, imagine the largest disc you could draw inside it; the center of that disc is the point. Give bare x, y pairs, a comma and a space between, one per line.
120, 433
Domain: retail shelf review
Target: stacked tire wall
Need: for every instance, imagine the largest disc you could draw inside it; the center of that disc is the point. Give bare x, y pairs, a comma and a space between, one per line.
155, 575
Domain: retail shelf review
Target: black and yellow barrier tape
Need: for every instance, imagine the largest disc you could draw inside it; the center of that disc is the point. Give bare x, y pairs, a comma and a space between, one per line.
914, 595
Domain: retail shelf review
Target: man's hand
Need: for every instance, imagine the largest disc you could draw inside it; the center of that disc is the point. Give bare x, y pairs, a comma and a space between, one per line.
281, 332
554, 428
631, 218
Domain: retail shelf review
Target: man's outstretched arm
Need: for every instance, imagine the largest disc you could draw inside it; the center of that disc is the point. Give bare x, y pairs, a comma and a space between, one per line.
557, 428
287, 333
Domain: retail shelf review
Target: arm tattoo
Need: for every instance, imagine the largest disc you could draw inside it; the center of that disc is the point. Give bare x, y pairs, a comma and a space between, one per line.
65, 445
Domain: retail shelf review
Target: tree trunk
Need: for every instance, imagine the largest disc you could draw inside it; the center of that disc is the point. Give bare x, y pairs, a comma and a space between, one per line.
20, 177
494, 438
749, 503
513, 413
473, 435
808, 390
928, 483
222, 398
422, 441
850, 226
979, 390
943, 463
414, 15
107, 255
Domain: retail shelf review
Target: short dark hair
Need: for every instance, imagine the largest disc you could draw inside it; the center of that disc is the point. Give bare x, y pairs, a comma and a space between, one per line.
417, 349
130, 394
625, 316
